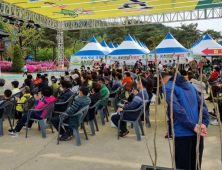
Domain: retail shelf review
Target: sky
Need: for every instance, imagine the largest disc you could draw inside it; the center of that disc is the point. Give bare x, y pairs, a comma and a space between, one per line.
203, 25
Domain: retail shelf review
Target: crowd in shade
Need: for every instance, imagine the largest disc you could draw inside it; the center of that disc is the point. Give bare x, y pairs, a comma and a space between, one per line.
89, 86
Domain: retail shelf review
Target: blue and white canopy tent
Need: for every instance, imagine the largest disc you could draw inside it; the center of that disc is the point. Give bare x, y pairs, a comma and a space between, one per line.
116, 45
111, 46
91, 53
128, 51
145, 49
206, 44
170, 49
105, 46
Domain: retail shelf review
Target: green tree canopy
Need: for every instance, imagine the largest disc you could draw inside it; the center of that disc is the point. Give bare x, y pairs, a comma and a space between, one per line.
18, 62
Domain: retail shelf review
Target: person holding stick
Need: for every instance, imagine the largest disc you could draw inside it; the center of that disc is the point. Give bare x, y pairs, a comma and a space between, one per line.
186, 110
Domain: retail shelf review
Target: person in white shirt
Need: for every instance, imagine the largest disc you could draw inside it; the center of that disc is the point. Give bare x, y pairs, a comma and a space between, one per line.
160, 66
15, 88
25, 70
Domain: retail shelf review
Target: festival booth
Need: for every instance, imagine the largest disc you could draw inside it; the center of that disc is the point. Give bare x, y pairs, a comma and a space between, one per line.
145, 49
111, 46
90, 54
128, 51
206, 47
170, 49
116, 45
105, 46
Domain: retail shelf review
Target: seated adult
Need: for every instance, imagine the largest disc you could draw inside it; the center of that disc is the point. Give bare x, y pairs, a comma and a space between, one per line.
116, 84
77, 85
82, 101
136, 103
6, 97
184, 74
38, 79
214, 76
84, 80
2, 89
30, 78
67, 76
95, 97
127, 80
15, 88
20, 107
104, 91
41, 100
67, 93
54, 83
107, 80
44, 82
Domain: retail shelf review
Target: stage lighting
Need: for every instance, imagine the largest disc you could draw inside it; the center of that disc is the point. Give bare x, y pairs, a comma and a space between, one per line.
20, 23
37, 27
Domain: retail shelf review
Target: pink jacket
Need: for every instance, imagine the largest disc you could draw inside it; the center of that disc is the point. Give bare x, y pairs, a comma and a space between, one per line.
39, 104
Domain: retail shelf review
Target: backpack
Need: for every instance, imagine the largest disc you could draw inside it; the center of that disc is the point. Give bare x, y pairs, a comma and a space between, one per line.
26, 105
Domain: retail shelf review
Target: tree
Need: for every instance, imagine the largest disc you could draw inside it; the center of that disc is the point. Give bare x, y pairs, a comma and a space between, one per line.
18, 62
216, 35
10, 51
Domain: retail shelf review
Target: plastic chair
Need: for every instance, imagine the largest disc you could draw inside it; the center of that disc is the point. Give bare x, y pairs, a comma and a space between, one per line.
122, 94
82, 112
68, 103
114, 100
91, 124
31, 102
48, 115
136, 124
56, 93
104, 111
7, 110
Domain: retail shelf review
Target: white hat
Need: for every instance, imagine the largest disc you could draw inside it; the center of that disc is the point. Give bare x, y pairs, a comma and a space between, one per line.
74, 76
197, 85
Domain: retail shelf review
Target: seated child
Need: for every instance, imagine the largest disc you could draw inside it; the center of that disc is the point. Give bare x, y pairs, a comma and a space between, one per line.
42, 99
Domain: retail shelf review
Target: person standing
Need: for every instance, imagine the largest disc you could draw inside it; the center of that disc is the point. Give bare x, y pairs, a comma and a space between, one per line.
169, 64
186, 108
160, 66
25, 70
174, 63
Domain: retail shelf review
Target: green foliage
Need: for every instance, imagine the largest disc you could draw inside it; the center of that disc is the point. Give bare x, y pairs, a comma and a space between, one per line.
44, 54
18, 62
10, 51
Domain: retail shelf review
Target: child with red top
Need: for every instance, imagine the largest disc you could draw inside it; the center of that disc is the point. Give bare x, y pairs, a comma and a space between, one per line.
42, 99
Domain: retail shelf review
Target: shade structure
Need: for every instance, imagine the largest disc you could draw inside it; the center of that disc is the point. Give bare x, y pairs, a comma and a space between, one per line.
128, 47
105, 46
89, 55
169, 49
207, 47
93, 48
128, 51
144, 49
117, 45
111, 46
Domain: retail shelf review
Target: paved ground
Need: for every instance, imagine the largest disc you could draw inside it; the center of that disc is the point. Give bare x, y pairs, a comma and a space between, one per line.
100, 152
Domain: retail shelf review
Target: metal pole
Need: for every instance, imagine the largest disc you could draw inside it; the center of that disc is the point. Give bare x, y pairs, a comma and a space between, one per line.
60, 42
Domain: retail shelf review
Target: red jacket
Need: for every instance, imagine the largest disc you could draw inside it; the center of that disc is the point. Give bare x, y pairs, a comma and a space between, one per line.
214, 76
127, 80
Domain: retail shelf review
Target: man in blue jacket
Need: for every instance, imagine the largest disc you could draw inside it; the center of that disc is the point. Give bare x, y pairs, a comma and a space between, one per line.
186, 109
136, 103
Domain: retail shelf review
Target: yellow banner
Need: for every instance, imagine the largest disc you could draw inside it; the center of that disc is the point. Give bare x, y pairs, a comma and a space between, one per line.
96, 9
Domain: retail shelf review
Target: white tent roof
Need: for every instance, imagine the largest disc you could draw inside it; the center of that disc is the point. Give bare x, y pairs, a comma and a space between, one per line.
205, 44
169, 45
105, 46
128, 47
93, 48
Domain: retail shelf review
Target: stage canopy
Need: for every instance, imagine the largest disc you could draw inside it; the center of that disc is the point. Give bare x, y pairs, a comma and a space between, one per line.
207, 47
66, 10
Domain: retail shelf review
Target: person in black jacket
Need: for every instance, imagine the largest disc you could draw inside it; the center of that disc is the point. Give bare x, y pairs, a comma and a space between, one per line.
116, 84
7, 95
95, 97
44, 82
67, 93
